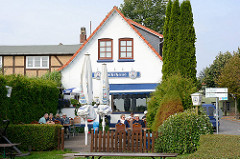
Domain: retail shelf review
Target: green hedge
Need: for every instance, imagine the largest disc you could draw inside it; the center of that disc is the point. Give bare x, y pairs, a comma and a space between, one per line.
38, 136
180, 133
31, 98
3, 98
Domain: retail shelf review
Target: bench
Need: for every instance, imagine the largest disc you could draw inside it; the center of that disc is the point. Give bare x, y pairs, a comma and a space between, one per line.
101, 154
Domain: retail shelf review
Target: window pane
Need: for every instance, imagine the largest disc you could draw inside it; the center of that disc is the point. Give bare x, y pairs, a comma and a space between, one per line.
102, 43
123, 43
45, 58
129, 43
29, 61
44, 64
108, 49
102, 54
108, 54
123, 48
37, 62
123, 54
129, 48
108, 43
102, 49
129, 54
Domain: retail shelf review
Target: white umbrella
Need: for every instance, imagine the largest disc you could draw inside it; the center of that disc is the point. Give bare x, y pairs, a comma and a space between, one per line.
86, 93
104, 108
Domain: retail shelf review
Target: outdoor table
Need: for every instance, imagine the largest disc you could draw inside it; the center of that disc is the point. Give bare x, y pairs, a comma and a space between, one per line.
4, 146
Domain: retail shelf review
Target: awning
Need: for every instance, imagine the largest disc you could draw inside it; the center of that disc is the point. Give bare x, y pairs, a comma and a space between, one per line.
132, 88
71, 90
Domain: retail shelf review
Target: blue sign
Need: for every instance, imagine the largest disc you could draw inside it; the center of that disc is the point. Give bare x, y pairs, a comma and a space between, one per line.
131, 74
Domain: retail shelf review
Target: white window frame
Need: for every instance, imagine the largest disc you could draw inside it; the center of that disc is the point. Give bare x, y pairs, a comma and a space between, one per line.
0, 61
34, 60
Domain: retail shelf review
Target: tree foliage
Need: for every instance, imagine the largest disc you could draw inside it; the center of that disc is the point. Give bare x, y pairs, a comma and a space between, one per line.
230, 76
54, 76
165, 35
171, 56
150, 13
210, 74
179, 53
186, 47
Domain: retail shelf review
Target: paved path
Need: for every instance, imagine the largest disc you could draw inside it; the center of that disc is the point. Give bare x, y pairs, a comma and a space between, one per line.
229, 126
76, 144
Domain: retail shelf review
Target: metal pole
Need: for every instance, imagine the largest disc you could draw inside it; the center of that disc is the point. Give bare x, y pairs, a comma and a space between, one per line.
86, 130
103, 123
217, 114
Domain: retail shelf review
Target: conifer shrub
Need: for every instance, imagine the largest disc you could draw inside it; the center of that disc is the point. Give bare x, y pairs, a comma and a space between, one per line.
170, 106
174, 87
181, 132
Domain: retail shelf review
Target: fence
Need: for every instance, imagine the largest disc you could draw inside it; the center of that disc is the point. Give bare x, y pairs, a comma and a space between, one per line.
122, 141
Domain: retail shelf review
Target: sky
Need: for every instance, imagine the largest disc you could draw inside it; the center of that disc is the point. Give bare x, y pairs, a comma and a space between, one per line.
50, 22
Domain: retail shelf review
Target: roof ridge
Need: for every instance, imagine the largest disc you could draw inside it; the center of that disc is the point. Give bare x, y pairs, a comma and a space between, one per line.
100, 25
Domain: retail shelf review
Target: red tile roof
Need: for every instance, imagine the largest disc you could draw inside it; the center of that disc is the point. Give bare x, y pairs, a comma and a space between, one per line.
130, 22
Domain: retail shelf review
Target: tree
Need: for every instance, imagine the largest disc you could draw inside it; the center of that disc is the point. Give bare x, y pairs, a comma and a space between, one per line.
165, 35
186, 47
150, 13
230, 77
210, 74
171, 56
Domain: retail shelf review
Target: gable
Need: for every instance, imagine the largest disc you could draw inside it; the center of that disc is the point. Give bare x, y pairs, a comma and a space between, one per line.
125, 20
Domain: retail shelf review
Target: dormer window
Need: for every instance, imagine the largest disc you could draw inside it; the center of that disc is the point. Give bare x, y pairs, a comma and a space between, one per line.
105, 49
126, 48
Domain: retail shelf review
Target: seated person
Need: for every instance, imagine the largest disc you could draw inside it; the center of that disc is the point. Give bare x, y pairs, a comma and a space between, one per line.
144, 118
123, 121
65, 120
50, 119
131, 117
57, 117
137, 120
42, 120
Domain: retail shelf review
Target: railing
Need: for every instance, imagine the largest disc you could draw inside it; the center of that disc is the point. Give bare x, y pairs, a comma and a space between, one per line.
122, 141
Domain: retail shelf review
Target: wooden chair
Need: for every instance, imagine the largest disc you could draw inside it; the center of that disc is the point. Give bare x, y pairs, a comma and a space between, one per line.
137, 141
120, 127
77, 123
137, 128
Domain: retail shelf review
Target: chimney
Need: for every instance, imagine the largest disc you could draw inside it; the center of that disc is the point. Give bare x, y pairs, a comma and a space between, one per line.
83, 35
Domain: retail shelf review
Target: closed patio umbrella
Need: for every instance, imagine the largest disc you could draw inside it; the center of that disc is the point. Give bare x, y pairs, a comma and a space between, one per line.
104, 108
86, 93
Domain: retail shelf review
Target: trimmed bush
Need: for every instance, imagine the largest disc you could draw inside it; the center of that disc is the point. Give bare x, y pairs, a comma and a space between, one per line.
31, 98
3, 98
180, 133
38, 136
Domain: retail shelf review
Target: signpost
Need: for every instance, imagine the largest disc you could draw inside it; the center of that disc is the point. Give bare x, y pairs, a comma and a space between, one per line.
218, 93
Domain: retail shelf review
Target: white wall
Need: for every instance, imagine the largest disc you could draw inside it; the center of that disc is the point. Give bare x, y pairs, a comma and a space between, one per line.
146, 61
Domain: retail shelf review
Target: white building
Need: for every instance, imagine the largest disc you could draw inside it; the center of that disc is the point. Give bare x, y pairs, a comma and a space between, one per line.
132, 53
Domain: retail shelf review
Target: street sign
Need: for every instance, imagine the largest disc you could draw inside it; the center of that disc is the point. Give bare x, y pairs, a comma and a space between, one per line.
221, 93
